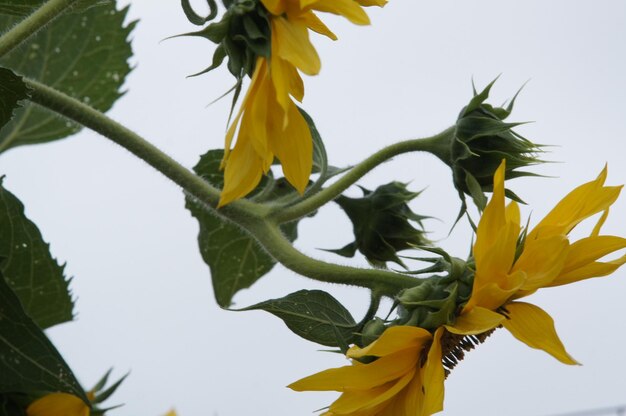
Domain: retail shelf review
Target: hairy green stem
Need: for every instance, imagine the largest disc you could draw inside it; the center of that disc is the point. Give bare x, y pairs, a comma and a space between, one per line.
382, 282
436, 145
89, 117
31, 24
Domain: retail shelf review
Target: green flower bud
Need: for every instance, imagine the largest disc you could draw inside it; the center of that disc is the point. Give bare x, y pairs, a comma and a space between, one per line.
478, 143
372, 331
382, 224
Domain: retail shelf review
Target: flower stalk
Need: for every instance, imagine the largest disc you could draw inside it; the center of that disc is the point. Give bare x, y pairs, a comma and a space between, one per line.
434, 145
48, 11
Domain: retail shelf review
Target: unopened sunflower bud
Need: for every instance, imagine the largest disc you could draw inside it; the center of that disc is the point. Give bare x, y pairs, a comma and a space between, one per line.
382, 224
372, 331
479, 142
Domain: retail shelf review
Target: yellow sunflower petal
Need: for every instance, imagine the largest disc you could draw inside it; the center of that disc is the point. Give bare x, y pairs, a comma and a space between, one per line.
367, 3
276, 7
542, 260
600, 223
259, 72
476, 321
361, 400
433, 377
346, 8
394, 339
361, 376
493, 218
58, 404
315, 24
243, 171
534, 327
290, 41
584, 201
494, 263
294, 148
595, 269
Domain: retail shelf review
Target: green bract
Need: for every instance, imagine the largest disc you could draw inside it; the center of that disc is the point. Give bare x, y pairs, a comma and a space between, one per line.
242, 35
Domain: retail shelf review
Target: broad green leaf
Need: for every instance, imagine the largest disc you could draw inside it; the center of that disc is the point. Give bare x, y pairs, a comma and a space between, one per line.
235, 259
12, 91
314, 315
84, 55
29, 363
28, 267
9, 407
18, 7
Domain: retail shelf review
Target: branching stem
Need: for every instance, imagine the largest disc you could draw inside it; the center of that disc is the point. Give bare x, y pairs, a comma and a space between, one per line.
435, 145
382, 282
89, 117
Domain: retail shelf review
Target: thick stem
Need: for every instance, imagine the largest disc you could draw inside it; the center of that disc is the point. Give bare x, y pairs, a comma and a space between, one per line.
437, 145
382, 282
30, 25
95, 120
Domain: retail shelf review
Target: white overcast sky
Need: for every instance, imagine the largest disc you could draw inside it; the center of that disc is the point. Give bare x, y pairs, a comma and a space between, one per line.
144, 297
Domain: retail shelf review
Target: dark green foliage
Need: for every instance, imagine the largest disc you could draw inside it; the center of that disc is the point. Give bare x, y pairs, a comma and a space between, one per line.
29, 363
234, 257
12, 91
83, 54
314, 315
382, 224
29, 269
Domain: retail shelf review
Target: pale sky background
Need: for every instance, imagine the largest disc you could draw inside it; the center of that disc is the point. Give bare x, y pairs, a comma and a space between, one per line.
144, 297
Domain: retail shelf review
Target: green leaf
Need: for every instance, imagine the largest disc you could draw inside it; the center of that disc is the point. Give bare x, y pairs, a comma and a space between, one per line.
314, 315
29, 363
9, 407
84, 55
30, 270
235, 259
12, 91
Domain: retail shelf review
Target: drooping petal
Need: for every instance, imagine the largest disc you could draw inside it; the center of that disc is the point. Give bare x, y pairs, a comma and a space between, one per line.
542, 260
294, 148
243, 171
394, 339
58, 404
360, 376
259, 72
534, 327
433, 377
361, 400
290, 41
476, 321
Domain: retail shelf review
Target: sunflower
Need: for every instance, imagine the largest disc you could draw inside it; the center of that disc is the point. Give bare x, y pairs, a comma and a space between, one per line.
269, 124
